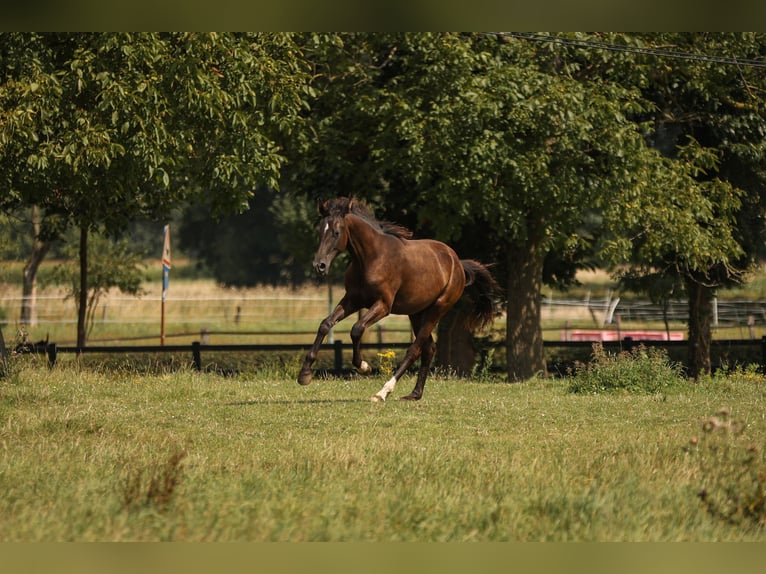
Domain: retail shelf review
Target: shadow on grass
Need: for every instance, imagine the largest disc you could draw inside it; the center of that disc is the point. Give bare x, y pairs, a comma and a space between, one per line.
294, 402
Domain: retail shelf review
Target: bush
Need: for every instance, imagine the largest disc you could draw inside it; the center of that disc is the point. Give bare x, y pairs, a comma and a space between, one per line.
639, 371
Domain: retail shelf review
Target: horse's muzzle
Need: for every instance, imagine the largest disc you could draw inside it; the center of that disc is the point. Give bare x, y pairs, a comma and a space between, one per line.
321, 268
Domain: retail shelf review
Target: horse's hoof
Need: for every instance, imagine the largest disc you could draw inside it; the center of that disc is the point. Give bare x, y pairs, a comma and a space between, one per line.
411, 397
365, 368
304, 378
377, 399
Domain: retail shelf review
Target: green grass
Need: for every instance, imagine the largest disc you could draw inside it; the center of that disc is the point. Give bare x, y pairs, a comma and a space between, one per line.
106, 454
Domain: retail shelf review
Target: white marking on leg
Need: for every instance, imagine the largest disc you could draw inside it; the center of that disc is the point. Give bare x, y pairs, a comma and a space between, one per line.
385, 391
365, 368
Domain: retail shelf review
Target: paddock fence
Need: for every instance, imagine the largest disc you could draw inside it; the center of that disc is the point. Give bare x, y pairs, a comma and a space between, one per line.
722, 348
206, 324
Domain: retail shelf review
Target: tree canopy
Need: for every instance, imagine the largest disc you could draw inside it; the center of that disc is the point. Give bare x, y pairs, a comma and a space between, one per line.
535, 152
100, 128
511, 145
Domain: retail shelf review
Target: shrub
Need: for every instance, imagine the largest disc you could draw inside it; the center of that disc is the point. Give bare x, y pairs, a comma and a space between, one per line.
639, 371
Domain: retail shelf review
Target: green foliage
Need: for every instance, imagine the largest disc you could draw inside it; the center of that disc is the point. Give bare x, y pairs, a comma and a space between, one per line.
639, 371
733, 471
526, 141
104, 127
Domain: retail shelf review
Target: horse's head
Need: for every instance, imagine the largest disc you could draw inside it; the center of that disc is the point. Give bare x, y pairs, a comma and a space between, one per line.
333, 232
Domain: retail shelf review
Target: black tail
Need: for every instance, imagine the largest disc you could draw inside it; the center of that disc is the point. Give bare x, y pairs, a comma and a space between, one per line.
483, 292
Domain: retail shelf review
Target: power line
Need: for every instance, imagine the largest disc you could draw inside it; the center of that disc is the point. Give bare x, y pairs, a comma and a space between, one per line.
649, 51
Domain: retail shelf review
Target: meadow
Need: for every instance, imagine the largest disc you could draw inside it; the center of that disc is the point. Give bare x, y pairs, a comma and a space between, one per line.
142, 448
104, 453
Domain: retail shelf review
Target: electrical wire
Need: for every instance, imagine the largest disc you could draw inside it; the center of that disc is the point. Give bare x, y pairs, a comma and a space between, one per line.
649, 51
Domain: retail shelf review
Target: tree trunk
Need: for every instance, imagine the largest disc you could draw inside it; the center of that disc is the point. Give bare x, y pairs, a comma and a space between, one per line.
700, 333
524, 336
29, 276
454, 343
82, 304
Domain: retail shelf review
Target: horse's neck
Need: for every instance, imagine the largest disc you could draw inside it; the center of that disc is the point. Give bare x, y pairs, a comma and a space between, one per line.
365, 241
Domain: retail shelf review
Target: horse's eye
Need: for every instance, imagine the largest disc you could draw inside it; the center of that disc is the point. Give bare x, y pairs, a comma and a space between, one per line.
335, 233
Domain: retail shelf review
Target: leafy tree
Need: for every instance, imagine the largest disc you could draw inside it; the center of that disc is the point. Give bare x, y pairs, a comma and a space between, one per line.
709, 119
502, 145
98, 129
511, 148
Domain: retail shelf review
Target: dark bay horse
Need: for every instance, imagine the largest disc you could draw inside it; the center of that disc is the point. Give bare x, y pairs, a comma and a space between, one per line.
392, 273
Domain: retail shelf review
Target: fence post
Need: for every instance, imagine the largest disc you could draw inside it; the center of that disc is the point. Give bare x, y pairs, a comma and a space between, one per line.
763, 354
628, 344
50, 348
338, 348
196, 355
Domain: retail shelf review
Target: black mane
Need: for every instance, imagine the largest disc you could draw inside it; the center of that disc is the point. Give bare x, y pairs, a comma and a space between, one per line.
362, 210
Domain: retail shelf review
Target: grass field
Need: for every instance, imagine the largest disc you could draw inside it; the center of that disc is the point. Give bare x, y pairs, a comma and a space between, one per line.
106, 454
146, 449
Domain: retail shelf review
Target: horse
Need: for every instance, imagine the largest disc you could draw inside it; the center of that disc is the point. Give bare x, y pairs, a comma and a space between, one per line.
392, 273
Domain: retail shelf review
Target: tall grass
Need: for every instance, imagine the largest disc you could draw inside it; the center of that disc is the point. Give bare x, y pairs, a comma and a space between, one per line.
104, 454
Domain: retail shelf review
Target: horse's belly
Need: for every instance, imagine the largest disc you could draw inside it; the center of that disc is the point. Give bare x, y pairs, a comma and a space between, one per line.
409, 307
409, 301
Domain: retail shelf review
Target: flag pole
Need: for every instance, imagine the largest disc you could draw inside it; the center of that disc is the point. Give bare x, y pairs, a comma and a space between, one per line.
165, 280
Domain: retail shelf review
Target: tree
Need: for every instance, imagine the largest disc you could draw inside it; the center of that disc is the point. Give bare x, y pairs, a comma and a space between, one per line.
98, 129
683, 238
467, 135
709, 120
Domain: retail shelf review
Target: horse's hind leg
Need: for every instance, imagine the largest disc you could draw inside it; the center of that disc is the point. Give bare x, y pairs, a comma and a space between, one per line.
423, 345
427, 354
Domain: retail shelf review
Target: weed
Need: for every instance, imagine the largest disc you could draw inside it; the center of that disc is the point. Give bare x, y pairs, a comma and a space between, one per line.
386, 362
482, 370
733, 471
152, 486
639, 371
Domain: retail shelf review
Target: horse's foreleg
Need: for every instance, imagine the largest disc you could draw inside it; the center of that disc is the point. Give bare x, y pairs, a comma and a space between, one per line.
374, 314
339, 313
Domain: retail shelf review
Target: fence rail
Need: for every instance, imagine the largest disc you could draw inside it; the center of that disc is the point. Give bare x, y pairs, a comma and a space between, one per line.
196, 349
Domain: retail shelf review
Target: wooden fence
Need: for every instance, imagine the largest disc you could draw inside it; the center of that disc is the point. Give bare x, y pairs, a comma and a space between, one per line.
196, 349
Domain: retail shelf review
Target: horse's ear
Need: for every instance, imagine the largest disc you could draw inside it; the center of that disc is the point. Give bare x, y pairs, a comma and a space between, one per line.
353, 204
323, 207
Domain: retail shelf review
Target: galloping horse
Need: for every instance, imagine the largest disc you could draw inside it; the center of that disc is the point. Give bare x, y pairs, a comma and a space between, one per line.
392, 273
